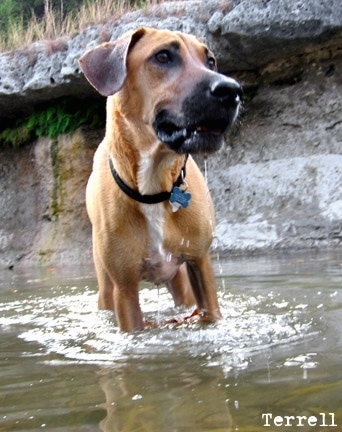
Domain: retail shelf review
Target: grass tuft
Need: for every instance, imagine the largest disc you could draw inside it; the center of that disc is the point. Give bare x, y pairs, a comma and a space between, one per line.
55, 23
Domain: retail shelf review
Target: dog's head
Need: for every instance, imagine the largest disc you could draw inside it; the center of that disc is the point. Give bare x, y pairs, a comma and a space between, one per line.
167, 81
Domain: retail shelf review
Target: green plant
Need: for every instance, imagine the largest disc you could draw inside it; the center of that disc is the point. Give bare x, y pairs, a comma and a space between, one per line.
33, 20
15, 136
64, 116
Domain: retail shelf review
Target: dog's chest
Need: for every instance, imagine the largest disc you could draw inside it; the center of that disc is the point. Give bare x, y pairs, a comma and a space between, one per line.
159, 266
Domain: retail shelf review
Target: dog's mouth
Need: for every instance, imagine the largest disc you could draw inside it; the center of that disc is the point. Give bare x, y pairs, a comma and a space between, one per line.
180, 137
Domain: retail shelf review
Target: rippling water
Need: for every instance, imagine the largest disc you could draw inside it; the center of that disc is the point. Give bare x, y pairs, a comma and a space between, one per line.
66, 367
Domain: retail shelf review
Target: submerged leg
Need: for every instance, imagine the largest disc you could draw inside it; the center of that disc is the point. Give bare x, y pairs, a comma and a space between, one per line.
202, 279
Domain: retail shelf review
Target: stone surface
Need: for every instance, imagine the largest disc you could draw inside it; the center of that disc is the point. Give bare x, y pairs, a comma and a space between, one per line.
260, 31
276, 185
294, 202
42, 206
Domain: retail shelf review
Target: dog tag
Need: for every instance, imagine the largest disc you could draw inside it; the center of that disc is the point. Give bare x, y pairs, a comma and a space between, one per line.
179, 198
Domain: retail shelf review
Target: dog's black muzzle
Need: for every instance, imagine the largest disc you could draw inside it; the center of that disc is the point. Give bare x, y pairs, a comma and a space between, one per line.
205, 115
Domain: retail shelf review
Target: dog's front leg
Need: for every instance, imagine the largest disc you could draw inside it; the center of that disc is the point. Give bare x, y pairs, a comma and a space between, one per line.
119, 294
106, 286
202, 279
127, 308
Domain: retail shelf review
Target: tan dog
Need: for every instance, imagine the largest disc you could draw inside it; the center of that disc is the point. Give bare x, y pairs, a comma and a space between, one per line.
149, 206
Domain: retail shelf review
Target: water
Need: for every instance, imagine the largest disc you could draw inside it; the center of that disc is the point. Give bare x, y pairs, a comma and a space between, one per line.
65, 367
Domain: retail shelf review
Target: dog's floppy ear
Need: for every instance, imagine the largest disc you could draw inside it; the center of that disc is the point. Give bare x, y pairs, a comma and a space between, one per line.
105, 65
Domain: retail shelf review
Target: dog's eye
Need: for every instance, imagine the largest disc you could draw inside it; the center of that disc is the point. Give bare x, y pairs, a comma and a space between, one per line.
211, 62
163, 57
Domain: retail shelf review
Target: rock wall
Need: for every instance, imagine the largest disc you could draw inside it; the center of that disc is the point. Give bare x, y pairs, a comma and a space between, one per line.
42, 201
277, 183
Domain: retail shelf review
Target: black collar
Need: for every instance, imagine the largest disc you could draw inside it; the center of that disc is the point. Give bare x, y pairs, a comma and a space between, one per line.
147, 199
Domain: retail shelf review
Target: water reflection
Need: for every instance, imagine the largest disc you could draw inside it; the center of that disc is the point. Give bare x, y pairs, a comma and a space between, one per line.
66, 367
155, 398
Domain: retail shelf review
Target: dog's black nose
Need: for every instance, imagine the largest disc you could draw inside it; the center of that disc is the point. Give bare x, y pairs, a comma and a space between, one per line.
228, 91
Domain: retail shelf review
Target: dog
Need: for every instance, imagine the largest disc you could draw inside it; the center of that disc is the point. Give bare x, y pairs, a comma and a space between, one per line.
151, 212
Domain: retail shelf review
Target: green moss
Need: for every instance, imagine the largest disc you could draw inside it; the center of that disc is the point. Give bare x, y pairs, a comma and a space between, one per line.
16, 136
64, 116
54, 203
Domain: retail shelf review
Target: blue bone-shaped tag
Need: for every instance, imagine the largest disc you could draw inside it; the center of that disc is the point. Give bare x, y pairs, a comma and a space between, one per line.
179, 198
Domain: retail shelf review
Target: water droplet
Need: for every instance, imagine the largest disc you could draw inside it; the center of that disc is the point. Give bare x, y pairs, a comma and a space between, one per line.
206, 171
137, 397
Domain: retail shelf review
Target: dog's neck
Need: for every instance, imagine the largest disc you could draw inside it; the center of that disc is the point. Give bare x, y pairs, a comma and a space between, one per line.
149, 171
158, 171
